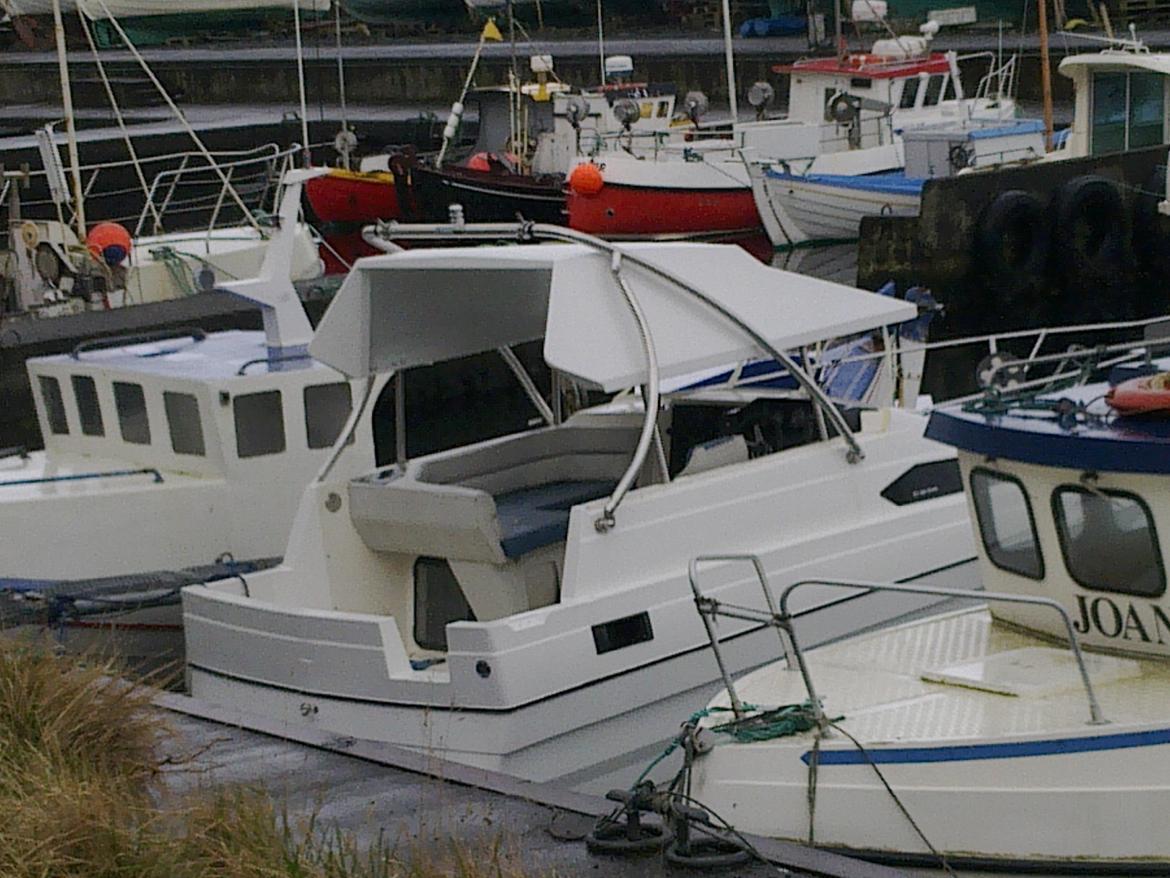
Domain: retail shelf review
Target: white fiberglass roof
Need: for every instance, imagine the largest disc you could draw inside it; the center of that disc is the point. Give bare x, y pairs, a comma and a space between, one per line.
425, 306
1113, 59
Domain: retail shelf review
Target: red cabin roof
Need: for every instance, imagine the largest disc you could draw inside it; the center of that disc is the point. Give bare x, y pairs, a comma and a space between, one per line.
869, 66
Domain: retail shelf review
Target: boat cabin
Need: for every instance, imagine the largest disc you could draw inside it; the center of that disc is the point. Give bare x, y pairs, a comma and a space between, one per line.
1069, 497
1121, 101
498, 528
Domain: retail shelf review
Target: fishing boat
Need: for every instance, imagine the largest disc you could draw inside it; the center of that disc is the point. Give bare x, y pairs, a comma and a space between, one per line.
528, 135
521, 604
1119, 107
837, 108
1027, 733
169, 457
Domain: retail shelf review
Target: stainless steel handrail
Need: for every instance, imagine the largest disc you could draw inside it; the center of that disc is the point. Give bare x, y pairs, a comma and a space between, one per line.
1096, 717
528, 231
780, 618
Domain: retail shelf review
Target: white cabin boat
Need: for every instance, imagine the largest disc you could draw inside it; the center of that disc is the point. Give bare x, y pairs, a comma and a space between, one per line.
165, 452
1119, 105
1027, 735
521, 604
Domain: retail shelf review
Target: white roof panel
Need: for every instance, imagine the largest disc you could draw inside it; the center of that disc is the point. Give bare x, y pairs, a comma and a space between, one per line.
424, 306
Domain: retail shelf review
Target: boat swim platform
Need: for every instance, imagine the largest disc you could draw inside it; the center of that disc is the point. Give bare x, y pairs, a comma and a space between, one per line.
374, 789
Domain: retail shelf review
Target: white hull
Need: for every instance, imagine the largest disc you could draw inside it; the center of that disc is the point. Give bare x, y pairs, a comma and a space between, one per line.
800, 211
594, 738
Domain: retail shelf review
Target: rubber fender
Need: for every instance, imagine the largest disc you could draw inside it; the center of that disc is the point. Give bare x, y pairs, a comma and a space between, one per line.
1149, 237
1012, 241
1088, 242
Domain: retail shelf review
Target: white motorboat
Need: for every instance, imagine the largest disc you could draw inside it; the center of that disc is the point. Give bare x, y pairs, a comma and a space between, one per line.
1118, 106
1026, 735
165, 452
521, 604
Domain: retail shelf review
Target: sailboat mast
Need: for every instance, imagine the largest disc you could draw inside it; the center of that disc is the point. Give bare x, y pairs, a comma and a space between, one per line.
70, 130
306, 148
730, 58
601, 41
1045, 73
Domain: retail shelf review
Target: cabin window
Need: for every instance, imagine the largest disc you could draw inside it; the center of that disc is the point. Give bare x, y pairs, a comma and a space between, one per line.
88, 407
438, 601
133, 420
259, 423
1006, 523
663, 109
54, 405
949, 90
909, 93
934, 87
1109, 542
327, 407
1128, 111
860, 82
183, 423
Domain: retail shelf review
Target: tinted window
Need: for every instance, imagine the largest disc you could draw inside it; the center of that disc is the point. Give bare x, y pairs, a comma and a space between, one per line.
1146, 109
183, 423
326, 408
933, 90
133, 421
438, 601
621, 633
259, 423
1108, 541
1108, 112
1006, 523
88, 407
909, 93
54, 404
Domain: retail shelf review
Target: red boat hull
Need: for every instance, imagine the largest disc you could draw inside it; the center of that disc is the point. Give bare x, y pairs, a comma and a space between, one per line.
349, 197
635, 211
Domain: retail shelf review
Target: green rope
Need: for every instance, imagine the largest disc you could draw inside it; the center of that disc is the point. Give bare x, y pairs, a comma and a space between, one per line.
179, 270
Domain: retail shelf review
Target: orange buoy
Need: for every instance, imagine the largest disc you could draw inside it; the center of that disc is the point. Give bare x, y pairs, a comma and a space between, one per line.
586, 179
1150, 393
109, 242
481, 161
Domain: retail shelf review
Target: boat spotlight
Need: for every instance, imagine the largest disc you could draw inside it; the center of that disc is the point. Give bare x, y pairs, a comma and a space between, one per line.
627, 112
696, 105
576, 109
760, 96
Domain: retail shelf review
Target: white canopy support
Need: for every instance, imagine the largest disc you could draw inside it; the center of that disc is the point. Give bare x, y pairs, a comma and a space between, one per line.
286, 325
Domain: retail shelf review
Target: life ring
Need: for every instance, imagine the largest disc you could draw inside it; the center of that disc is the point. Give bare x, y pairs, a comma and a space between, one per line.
1089, 230
30, 235
1012, 240
1150, 393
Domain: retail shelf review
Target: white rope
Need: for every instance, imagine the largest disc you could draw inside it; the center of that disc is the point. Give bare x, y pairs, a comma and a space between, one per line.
158, 227
251, 220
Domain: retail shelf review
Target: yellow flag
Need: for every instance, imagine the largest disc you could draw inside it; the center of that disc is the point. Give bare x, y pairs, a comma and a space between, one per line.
491, 32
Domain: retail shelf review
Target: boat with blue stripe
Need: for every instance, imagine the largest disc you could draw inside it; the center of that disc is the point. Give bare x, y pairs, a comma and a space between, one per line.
1028, 729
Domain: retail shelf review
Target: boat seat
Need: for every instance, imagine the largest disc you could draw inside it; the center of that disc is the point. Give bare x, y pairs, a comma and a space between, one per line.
539, 515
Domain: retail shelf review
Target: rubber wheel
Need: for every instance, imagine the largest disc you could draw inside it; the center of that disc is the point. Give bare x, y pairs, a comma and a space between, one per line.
1089, 239
709, 853
1011, 242
613, 839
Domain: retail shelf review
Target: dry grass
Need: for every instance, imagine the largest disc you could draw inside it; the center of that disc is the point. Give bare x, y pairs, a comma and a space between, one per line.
78, 765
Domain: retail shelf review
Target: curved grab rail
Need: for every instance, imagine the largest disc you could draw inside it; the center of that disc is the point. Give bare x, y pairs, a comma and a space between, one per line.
528, 231
1096, 717
82, 477
115, 341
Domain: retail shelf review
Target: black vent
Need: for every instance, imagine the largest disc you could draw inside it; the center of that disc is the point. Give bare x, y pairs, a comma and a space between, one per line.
621, 633
925, 482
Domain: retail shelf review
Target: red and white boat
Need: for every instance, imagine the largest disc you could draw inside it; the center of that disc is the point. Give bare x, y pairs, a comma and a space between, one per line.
857, 101
343, 201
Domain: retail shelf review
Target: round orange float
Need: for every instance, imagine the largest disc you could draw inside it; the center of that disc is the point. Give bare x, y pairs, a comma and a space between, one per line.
1150, 393
109, 242
586, 179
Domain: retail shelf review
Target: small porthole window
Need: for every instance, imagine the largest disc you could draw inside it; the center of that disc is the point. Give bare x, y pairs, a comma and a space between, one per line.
133, 420
89, 409
438, 601
184, 424
327, 406
259, 423
1006, 524
1109, 542
54, 405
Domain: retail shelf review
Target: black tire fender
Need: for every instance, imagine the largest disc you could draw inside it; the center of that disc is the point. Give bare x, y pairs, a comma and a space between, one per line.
1012, 240
1089, 229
